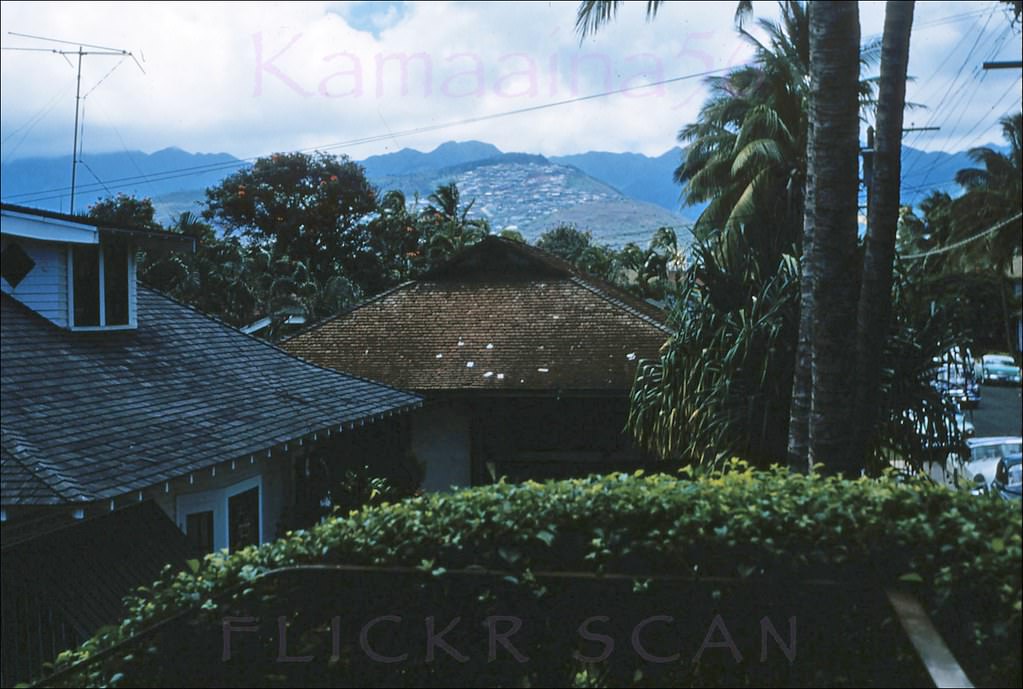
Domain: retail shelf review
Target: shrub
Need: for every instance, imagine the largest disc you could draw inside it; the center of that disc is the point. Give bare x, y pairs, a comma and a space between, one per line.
775, 531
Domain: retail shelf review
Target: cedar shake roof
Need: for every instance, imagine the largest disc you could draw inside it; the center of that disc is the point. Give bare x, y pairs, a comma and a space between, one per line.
502, 317
89, 416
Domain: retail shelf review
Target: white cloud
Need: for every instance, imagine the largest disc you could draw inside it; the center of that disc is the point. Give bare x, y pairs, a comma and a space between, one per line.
253, 78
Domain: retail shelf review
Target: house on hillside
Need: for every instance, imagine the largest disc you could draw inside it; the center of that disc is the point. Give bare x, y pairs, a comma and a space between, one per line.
526, 363
137, 431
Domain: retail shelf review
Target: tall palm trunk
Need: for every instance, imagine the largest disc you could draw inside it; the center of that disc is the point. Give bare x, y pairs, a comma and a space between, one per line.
832, 258
882, 222
802, 379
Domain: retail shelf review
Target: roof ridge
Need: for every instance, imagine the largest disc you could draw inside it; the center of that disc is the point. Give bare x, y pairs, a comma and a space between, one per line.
346, 311
278, 348
618, 300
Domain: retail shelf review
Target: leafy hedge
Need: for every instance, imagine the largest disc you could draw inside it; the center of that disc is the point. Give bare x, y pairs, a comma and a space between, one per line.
960, 552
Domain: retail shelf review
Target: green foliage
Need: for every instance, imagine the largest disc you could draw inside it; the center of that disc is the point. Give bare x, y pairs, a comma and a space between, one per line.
567, 242
722, 385
126, 211
962, 551
647, 273
975, 264
994, 193
446, 225
311, 208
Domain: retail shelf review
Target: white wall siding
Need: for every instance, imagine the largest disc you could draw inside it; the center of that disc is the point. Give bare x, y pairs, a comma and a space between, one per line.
44, 289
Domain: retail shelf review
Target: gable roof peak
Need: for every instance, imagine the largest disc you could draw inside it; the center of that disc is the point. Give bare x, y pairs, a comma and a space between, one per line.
495, 256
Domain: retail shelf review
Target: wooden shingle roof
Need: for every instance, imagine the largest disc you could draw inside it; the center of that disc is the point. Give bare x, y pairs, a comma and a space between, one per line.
89, 416
501, 316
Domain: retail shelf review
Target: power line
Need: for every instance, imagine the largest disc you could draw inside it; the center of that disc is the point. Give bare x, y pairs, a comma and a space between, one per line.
952, 92
59, 192
80, 53
964, 242
49, 194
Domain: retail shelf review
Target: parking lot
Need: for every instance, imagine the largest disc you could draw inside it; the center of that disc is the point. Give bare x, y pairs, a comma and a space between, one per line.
1000, 411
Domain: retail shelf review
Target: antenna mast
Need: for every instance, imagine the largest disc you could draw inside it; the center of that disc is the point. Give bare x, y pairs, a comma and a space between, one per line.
80, 53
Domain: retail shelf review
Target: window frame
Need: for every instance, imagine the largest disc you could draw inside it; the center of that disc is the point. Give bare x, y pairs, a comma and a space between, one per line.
132, 323
218, 501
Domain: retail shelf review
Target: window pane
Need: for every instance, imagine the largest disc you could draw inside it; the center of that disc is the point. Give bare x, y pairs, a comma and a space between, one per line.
199, 530
86, 284
115, 279
243, 519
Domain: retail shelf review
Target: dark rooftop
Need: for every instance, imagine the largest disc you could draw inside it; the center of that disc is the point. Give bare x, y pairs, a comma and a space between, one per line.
143, 236
501, 316
89, 416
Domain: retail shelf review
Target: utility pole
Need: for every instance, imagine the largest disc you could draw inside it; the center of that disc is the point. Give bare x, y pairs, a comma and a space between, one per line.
79, 53
868, 155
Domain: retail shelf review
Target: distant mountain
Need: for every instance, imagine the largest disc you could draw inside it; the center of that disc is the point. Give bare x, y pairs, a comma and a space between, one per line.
924, 172
409, 161
171, 173
634, 174
531, 193
618, 196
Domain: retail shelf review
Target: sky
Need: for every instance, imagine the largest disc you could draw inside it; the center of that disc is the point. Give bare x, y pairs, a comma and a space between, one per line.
366, 78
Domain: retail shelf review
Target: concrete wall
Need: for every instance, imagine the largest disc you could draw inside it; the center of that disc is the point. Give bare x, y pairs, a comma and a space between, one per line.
441, 444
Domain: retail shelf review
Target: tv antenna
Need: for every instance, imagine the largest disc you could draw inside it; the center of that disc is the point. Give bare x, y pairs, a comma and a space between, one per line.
80, 52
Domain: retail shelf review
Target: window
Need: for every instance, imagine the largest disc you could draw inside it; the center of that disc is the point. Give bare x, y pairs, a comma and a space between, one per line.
199, 530
222, 517
101, 285
243, 519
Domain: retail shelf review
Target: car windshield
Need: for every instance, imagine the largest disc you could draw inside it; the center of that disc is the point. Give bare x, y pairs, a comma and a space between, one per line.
994, 451
999, 361
1015, 478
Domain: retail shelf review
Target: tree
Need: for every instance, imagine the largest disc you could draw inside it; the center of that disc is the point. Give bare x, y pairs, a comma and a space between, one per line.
993, 194
593, 14
746, 152
744, 159
567, 242
311, 208
875, 299
720, 387
831, 212
993, 198
126, 211
397, 239
447, 226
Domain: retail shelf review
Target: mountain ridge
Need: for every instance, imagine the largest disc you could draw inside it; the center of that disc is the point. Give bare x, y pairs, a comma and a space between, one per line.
642, 186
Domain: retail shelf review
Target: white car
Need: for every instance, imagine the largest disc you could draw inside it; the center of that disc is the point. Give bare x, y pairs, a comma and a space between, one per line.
985, 453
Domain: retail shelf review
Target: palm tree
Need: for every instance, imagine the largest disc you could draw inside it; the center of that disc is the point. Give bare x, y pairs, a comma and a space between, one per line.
875, 299
993, 196
593, 14
448, 226
746, 153
831, 216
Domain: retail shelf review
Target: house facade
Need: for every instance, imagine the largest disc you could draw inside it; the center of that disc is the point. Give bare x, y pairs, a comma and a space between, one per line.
525, 363
128, 417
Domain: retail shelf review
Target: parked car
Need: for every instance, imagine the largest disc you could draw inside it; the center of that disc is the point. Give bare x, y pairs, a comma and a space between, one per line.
985, 453
965, 423
954, 376
998, 368
1009, 477
942, 458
